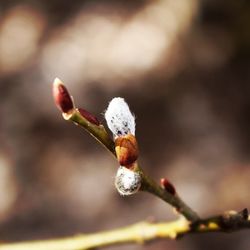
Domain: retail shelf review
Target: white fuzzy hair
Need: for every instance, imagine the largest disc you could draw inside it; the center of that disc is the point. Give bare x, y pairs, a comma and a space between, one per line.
127, 182
119, 118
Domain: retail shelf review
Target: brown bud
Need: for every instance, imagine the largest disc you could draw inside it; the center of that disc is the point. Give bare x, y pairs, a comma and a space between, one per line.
88, 116
168, 186
245, 213
62, 97
126, 149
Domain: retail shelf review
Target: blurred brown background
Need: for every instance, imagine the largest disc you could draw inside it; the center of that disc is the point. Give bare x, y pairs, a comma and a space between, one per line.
183, 67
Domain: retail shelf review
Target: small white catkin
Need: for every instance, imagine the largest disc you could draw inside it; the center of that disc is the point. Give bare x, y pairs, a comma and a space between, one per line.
119, 118
127, 182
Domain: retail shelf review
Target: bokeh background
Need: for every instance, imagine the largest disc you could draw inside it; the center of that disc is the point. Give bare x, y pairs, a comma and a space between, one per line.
183, 67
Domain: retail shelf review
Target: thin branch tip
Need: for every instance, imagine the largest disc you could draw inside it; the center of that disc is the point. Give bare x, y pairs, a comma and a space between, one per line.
62, 98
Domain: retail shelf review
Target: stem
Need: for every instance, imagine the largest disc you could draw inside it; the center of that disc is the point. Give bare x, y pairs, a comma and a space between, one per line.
138, 233
152, 187
98, 132
148, 185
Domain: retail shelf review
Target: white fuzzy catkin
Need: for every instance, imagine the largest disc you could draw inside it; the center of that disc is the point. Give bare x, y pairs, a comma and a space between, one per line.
127, 182
119, 118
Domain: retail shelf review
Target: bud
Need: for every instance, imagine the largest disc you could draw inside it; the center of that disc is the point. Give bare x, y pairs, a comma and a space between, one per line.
168, 186
127, 182
126, 149
119, 118
62, 97
88, 116
245, 213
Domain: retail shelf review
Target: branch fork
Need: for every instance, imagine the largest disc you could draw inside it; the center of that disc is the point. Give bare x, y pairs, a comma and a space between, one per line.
130, 179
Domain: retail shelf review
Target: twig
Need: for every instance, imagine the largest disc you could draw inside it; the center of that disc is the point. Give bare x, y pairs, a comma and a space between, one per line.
148, 184
97, 131
139, 233
152, 187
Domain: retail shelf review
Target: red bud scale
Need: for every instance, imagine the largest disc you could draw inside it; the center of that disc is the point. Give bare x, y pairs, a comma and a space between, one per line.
168, 186
88, 116
62, 97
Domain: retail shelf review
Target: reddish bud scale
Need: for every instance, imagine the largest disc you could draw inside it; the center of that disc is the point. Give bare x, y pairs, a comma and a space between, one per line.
62, 97
168, 186
88, 116
245, 214
126, 150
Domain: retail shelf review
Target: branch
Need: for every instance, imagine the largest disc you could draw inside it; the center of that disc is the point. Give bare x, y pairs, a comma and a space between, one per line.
140, 233
94, 129
127, 148
148, 185
90, 123
174, 200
